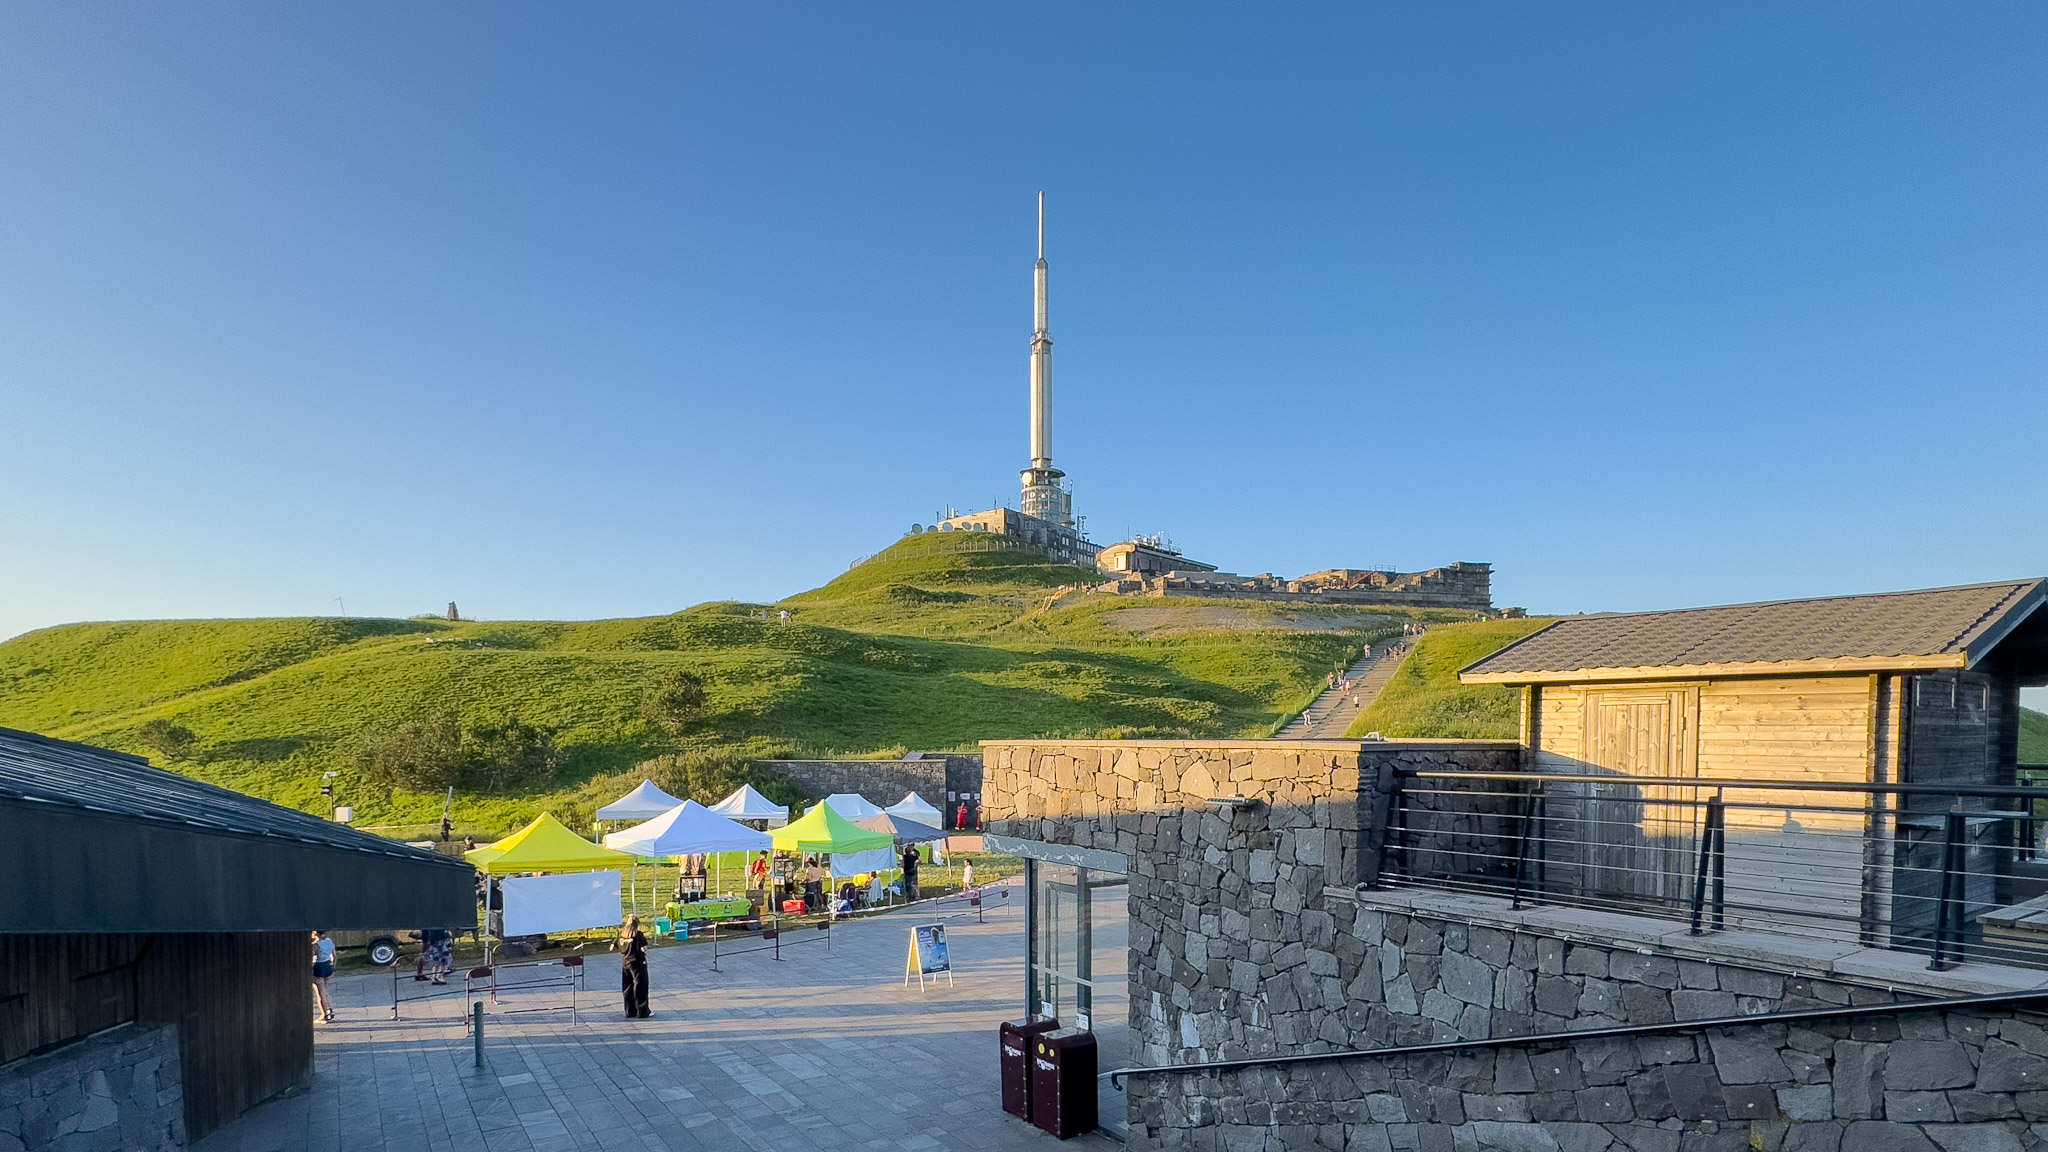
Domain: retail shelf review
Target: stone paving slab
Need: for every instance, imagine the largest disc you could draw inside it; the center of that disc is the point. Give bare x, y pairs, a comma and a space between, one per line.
824, 1050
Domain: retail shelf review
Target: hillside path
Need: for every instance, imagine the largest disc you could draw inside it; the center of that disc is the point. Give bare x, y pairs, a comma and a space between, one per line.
1335, 709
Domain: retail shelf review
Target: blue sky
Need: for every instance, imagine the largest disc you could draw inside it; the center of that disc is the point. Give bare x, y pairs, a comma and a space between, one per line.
570, 314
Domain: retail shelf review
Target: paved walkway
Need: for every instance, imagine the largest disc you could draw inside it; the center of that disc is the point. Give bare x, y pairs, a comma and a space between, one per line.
1333, 711
824, 1050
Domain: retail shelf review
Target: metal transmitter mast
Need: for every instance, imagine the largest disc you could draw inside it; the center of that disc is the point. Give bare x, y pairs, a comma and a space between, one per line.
1044, 496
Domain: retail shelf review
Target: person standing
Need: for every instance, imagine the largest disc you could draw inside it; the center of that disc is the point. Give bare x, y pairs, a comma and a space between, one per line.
437, 952
323, 967
967, 877
910, 862
960, 818
814, 885
633, 968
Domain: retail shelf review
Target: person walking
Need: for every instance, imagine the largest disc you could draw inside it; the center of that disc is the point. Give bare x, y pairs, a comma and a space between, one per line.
323, 967
633, 968
967, 877
814, 885
910, 863
437, 953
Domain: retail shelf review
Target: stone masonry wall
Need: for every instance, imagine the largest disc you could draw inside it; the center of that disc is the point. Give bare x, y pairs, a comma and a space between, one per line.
118, 1090
884, 782
1964, 1081
1235, 952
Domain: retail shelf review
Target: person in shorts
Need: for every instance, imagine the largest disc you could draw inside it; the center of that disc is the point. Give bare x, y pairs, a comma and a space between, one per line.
323, 968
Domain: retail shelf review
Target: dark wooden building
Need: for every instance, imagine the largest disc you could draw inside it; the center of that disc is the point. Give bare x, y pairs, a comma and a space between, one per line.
132, 895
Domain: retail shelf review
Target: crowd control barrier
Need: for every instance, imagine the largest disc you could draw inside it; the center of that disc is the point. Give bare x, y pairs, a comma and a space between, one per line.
493, 979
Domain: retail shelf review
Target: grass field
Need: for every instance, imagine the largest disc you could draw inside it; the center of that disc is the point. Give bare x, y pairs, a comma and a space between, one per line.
923, 647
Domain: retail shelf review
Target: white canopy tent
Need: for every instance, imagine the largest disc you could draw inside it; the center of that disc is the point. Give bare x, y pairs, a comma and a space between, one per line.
642, 803
913, 807
747, 804
689, 828
853, 807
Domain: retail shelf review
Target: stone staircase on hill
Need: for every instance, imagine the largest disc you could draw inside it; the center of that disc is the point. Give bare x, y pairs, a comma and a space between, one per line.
1333, 711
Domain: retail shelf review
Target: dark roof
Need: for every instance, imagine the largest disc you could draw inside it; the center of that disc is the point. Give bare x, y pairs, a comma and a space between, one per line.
1903, 631
42, 770
93, 840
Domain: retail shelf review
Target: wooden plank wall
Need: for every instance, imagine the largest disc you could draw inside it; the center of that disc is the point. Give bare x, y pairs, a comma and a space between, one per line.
242, 1003
1809, 728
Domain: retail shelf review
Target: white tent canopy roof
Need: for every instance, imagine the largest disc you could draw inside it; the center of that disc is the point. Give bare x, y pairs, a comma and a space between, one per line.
747, 804
913, 807
689, 827
642, 803
852, 806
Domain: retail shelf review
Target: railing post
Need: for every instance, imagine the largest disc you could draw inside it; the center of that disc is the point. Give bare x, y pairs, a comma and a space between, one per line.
1384, 798
1531, 800
1949, 903
1719, 811
1711, 863
476, 1017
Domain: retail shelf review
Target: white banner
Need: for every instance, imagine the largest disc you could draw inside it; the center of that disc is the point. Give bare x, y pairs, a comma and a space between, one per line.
536, 905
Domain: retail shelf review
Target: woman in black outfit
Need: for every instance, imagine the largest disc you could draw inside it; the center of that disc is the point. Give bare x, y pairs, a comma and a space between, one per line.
633, 967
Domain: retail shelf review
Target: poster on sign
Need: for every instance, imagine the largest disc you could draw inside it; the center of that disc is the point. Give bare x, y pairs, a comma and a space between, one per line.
537, 905
928, 955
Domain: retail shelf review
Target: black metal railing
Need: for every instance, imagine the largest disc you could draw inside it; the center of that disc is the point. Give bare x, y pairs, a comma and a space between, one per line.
1954, 871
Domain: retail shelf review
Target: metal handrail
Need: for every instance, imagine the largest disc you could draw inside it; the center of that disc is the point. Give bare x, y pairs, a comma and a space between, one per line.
2016, 791
1927, 897
1798, 1015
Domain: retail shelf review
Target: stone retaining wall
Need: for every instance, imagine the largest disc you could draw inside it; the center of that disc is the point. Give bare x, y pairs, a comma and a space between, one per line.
118, 1090
884, 782
1975, 1080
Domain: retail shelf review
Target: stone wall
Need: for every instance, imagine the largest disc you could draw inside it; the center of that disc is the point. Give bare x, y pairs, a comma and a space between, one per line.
118, 1090
1947, 1080
884, 782
1237, 952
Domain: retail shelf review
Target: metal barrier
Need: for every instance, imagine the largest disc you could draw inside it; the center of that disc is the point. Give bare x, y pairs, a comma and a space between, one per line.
976, 899
1953, 871
771, 934
487, 979
397, 985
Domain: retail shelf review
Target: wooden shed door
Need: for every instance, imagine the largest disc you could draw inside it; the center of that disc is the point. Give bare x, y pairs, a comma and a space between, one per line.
1643, 836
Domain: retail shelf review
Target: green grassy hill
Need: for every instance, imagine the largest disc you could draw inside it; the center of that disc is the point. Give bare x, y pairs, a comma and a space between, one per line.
929, 645
2033, 737
1424, 698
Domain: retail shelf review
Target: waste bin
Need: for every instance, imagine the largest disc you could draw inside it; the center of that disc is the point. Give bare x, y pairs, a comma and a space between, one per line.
1063, 1082
1016, 1037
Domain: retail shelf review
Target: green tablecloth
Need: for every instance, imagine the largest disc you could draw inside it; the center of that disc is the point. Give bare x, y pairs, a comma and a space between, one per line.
713, 909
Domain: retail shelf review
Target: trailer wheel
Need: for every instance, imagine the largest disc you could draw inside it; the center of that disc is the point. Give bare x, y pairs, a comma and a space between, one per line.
383, 951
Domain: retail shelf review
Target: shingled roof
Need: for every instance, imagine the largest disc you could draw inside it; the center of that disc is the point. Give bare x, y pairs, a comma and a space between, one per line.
93, 840
1893, 631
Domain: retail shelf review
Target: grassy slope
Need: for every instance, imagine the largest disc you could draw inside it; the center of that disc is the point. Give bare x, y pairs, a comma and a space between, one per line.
1425, 699
2033, 737
923, 648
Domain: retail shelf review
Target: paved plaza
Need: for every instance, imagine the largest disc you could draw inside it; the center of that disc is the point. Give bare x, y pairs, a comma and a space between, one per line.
824, 1049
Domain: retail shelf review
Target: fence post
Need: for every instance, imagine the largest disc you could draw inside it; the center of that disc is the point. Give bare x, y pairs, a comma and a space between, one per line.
1711, 863
1530, 801
476, 1017
1384, 799
1949, 904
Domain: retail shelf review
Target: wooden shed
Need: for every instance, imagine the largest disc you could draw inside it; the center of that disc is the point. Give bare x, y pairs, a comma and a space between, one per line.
137, 901
1918, 688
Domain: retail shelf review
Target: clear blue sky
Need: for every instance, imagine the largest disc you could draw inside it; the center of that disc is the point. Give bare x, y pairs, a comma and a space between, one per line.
569, 313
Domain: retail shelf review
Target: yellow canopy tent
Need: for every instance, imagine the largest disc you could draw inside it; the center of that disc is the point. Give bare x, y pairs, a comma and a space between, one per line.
823, 830
546, 845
